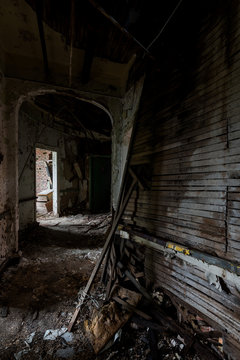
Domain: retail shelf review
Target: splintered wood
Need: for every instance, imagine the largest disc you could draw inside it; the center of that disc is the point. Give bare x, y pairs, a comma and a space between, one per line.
104, 251
110, 318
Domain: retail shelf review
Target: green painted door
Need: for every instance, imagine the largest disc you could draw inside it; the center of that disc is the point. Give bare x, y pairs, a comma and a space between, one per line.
100, 183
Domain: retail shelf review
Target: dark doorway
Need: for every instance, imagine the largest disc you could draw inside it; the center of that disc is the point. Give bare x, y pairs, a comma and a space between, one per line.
100, 183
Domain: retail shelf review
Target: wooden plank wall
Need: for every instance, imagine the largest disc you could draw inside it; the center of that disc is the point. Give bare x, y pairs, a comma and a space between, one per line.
187, 146
190, 285
191, 145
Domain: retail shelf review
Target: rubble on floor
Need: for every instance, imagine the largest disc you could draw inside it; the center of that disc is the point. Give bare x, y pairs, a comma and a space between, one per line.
86, 229
40, 293
146, 339
107, 320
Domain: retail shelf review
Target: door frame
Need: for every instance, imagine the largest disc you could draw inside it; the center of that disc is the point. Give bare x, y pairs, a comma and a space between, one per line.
55, 173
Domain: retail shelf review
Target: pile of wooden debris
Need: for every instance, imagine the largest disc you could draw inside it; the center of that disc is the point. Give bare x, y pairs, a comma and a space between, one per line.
131, 310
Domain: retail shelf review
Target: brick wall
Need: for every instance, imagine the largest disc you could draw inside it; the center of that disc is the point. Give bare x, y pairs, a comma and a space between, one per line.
42, 178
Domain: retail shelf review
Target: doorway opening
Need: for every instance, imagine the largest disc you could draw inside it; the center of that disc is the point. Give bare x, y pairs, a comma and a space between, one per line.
46, 182
100, 184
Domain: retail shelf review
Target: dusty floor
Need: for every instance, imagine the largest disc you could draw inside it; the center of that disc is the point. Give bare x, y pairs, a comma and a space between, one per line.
40, 292
38, 296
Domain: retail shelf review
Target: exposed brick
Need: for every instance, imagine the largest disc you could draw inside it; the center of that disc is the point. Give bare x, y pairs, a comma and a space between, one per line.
42, 177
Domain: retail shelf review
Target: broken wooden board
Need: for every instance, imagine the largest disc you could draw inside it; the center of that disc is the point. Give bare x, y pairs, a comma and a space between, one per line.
103, 253
109, 319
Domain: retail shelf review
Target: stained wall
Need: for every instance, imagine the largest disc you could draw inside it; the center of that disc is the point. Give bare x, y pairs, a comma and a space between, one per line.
186, 153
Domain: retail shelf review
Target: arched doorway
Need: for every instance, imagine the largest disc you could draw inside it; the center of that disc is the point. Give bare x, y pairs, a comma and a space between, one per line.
78, 132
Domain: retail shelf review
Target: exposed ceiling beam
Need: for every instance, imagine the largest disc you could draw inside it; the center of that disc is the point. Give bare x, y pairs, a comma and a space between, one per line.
121, 28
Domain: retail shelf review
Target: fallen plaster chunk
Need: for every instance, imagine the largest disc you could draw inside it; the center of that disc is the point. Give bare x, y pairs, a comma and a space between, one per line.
29, 339
92, 255
213, 280
68, 337
53, 334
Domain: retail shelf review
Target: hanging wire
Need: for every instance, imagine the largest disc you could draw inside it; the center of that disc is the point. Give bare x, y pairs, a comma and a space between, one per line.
162, 29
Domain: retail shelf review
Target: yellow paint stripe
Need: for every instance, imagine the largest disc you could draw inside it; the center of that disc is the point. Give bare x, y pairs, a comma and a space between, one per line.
178, 248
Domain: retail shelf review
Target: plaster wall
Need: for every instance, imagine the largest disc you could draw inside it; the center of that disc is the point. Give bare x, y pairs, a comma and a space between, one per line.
121, 136
13, 93
35, 129
8, 172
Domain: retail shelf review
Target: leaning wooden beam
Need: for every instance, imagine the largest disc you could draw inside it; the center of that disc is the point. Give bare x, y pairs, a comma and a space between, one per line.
190, 340
105, 248
134, 281
132, 308
140, 184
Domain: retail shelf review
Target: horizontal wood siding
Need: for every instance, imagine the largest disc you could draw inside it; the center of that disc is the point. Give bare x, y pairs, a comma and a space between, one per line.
190, 286
190, 146
187, 153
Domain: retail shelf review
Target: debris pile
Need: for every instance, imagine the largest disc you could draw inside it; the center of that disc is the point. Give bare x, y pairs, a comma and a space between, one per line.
170, 331
39, 290
124, 319
106, 321
117, 331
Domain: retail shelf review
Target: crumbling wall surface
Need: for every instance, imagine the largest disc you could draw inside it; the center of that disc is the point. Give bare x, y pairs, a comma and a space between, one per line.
37, 130
43, 179
33, 129
186, 152
16, 92
121, 135
8, 172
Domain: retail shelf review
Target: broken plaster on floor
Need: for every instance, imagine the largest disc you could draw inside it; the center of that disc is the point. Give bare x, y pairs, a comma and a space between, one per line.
40, 293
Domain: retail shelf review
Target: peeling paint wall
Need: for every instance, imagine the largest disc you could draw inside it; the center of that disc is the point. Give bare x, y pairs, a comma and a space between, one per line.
121, 136
8, 172
16, 92
37, 130
186, 151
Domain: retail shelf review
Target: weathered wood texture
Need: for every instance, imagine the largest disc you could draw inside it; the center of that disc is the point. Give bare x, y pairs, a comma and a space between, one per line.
187, 149
188, 139
219, 306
